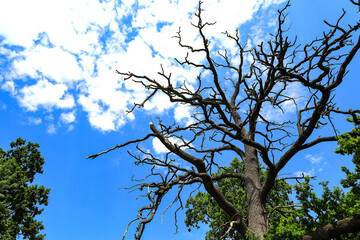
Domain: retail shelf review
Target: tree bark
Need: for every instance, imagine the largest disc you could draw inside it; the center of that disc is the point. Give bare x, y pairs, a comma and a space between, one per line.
256, 208
336, 229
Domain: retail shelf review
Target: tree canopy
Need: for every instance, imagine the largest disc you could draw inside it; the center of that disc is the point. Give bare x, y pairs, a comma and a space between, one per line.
289, 219
20, 200
243, 101
203, 208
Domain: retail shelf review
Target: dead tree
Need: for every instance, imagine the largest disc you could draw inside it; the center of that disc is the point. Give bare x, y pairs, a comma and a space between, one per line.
228, 115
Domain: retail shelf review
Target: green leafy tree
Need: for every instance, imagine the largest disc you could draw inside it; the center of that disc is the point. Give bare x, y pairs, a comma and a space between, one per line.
334, 215
202, 208
20, 200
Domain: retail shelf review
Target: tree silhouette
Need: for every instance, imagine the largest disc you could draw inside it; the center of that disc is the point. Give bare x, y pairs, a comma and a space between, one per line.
229, 106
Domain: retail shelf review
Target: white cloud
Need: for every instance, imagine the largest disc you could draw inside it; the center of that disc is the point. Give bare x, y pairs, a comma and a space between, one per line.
97, 117
63, 21
314, 159
47, 95
269, 2
70, 128
35, 120
49, 118
68, 117
105, 120
160, 148
182, 115
51, 129
53, 63
74, 47
295, 99
159, 103
102, 118
301, 174
9, 86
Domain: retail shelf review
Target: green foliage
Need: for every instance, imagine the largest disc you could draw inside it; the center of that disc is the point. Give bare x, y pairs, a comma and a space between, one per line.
286, 223
20, 200
350, 145
204, 209
333, 205
315, 212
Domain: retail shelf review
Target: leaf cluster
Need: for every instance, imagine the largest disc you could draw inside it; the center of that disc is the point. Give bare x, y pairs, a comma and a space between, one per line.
20, 200
202, 208
333, 205
292, 223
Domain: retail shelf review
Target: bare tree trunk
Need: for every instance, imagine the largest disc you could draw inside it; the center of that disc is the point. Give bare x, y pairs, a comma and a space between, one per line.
256, 209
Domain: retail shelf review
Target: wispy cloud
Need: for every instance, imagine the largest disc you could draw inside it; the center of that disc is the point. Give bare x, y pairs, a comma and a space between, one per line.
51, 129
314, 159
2, 106
68, 117
317, 162
35, 120
310, 173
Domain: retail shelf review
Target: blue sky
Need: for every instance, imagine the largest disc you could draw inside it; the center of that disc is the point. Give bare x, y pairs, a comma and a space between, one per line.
58, 87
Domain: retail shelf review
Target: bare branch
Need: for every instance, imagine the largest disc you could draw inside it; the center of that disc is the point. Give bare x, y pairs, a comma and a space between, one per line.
121, 145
